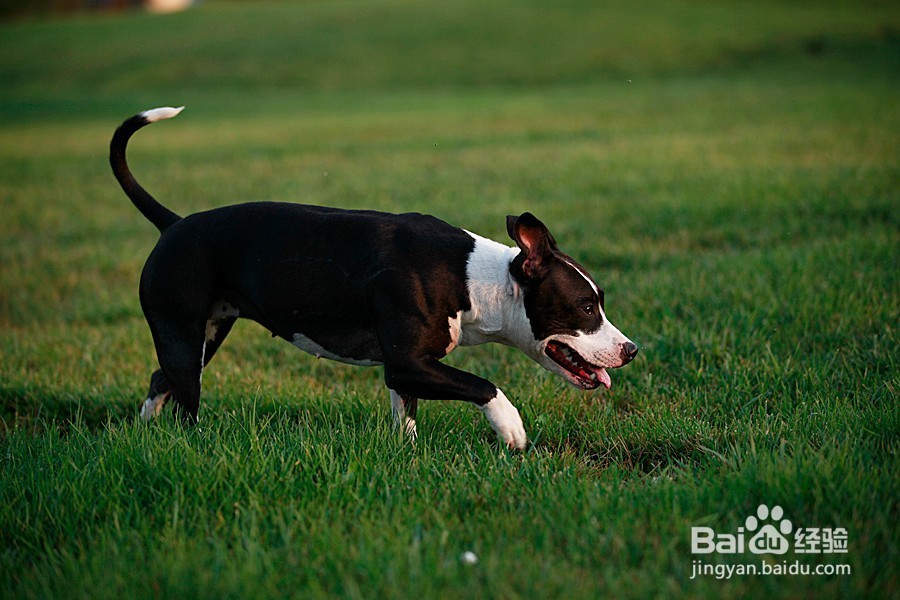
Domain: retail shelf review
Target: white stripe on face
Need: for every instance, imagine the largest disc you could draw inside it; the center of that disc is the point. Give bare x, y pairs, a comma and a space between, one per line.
586, 277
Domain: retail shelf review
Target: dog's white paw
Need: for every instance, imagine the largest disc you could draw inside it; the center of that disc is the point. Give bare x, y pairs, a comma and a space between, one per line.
505, 419
153, 406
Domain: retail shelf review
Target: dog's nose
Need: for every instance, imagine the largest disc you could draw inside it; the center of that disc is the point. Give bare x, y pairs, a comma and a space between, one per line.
629, 351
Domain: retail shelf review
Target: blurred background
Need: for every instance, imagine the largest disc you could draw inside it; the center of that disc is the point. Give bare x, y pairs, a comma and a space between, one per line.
13, 8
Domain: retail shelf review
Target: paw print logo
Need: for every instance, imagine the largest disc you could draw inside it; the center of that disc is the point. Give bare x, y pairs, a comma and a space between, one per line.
769, 539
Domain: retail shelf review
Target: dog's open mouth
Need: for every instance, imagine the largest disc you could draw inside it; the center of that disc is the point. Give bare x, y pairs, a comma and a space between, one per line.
582, 372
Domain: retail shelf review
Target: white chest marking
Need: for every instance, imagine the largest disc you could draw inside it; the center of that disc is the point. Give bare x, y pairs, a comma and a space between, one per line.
498, 312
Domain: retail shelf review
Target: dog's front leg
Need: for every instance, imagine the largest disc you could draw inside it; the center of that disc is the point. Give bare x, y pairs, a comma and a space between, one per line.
404, 410
505, 419
433, 380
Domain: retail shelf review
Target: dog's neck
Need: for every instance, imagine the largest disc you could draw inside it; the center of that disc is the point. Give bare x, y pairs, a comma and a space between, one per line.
498, 311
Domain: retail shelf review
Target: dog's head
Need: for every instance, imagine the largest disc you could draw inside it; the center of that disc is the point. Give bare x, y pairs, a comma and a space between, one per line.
565, 309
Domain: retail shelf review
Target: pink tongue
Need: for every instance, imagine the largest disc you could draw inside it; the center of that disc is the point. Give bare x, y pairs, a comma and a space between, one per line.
604, 378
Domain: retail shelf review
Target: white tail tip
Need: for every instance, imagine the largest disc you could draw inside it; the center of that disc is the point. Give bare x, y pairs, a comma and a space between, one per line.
158, 114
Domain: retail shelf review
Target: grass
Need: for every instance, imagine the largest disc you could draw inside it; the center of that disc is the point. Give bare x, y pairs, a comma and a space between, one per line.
729, 175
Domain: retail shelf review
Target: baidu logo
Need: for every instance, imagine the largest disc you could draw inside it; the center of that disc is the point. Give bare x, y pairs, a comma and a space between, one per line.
769, 539
769, 532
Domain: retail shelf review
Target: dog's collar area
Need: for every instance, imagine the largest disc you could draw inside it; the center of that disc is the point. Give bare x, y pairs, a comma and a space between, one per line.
585, 374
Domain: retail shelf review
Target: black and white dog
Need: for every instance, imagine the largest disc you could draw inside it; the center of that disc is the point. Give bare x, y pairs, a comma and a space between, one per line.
365, 288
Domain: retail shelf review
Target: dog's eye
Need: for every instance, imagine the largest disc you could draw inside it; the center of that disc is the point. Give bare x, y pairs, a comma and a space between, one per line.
588, 310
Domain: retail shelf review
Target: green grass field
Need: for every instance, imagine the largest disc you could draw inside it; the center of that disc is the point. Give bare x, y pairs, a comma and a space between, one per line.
729, 171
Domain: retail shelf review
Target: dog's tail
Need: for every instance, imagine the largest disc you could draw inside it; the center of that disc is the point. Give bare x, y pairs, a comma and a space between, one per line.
155, 212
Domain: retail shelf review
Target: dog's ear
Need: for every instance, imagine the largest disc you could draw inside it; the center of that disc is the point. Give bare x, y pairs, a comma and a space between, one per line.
536, 243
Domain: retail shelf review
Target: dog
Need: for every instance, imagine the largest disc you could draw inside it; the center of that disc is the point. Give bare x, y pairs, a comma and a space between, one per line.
365, 288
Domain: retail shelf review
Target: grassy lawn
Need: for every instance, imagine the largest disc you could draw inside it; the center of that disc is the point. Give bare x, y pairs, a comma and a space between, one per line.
728, 171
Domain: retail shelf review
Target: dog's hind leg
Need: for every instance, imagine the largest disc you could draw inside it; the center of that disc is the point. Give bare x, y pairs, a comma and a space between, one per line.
157, 397
180, 348
217, 330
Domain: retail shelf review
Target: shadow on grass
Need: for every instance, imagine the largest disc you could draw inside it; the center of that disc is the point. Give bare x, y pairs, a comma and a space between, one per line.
34, 409
643, 453
649, 457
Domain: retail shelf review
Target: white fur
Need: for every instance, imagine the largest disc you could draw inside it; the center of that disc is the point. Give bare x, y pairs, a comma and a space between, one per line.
505, 420
586, 277
402, 420
497, 313
153, 406
158, 114
212, 328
